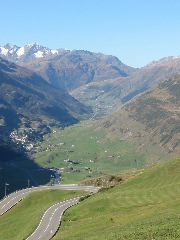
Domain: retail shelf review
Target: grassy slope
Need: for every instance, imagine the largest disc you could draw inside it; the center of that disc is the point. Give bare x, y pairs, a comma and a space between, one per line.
146, 207
110, 153
18, 223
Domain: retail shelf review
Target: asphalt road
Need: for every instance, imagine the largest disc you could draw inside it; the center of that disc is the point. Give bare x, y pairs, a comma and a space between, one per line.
51, 219
15, 197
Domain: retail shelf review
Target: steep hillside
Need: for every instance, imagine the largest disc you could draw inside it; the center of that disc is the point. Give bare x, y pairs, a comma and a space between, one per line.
30, 103
75, 68
158, 114
153, 74
18, 170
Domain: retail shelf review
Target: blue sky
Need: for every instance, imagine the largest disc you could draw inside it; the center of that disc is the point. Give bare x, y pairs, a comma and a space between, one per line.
136, 31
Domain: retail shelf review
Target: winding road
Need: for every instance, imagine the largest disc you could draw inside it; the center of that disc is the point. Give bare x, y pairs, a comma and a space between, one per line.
51, 219
15, 197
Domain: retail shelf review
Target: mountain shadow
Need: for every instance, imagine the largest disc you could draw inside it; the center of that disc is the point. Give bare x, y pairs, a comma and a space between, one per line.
18, 170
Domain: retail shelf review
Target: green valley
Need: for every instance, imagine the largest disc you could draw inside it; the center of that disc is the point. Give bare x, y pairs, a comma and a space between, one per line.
141, 133
85, 151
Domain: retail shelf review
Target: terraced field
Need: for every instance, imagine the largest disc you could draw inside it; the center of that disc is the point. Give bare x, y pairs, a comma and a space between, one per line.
146, 207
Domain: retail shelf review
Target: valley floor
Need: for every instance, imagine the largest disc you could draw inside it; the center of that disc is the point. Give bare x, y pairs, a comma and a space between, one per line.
85, 151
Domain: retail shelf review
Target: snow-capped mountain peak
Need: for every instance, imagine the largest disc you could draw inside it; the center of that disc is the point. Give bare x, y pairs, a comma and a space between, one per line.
8, 49
39, 54
4, 51
20, 52
26, 52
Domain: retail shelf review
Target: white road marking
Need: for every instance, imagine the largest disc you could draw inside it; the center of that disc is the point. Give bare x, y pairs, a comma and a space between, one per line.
50, 220
67, 203
11, 200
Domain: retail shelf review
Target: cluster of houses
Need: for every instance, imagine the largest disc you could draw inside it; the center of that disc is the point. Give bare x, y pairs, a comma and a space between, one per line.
21, 139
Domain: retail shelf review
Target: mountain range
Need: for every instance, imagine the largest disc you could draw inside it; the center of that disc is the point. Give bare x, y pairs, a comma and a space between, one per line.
64, 68
106, 96
37, 85
26, 53
99, 81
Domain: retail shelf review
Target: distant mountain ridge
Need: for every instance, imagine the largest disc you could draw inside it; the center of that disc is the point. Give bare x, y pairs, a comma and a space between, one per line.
64, 68
26, 52
97, 80
106, 96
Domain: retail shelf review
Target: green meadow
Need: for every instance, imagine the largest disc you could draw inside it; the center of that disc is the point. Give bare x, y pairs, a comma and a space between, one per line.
90, 153
146, 207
